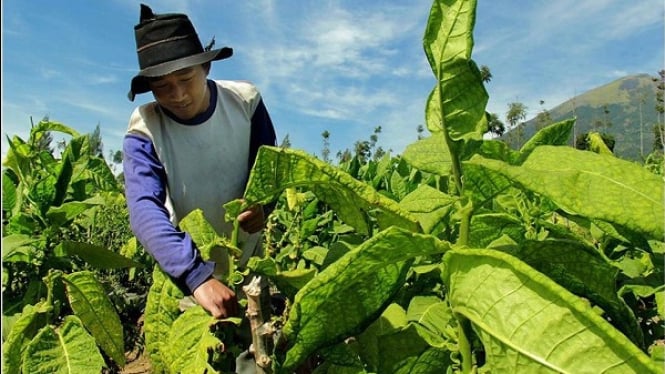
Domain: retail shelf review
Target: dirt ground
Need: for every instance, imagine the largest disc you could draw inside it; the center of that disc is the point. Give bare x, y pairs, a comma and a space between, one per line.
137, 365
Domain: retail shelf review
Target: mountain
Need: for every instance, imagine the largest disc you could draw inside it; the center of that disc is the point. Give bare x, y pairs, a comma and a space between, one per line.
617, 108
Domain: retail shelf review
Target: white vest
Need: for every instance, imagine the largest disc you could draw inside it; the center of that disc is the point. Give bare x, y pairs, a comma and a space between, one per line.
206, 164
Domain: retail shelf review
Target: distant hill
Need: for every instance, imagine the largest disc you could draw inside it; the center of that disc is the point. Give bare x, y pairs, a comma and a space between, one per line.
616, 103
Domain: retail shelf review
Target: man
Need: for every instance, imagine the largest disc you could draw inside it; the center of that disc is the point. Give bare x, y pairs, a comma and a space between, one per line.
191, 148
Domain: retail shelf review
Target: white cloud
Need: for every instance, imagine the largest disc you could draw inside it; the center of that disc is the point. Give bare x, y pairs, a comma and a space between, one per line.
102, 79
335, 62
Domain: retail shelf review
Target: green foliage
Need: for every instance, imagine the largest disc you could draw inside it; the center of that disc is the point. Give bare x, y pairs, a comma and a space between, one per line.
67, 349
464, 255
548, 328
601, 186
182, 337
356, 203
342, 299
197, 326
51, 203
162, 309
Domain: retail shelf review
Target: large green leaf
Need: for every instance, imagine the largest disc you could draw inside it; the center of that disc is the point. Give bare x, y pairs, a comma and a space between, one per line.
435, 318
392, 320
210, 244
429, 205
9, 193
460, 110
353, 291
190, 342
487, 227
162, 309
528, 323
288, 281
68, 349
47, 125
400, 343
498, 150
482, 184
407, 352
554, 134
65, 213
95, 255
18, 158
430, 154
277, 169
585, 272
591, 185
457, 102
597, 144
90, 303
18, 248
32, 319
64, 176
430, 361
42, 193
449, 32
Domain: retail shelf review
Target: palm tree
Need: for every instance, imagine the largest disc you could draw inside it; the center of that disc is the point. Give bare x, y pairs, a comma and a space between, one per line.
326, 145
485, 74
516, 113
494, 124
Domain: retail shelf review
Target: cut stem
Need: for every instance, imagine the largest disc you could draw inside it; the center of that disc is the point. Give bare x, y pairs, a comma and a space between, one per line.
260, 335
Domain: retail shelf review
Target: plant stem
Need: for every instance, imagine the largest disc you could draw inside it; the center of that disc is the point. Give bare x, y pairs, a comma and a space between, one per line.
464, 346
258, 326
234, 244
465, 223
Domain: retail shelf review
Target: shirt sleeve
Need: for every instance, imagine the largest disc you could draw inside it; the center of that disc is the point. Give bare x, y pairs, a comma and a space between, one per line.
146, 193
263, 133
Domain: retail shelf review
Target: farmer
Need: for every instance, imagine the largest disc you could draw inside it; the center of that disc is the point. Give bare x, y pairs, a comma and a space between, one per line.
191, 148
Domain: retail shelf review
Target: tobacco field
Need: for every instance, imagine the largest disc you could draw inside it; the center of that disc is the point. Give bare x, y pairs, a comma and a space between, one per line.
461, 255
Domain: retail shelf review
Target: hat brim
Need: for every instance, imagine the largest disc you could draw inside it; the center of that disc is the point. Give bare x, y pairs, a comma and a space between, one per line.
140, 83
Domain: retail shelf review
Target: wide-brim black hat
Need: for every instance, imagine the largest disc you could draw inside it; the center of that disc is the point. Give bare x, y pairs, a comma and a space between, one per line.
166, 43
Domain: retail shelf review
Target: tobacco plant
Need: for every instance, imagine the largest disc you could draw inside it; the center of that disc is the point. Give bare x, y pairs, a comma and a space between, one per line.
56, 312
462, 255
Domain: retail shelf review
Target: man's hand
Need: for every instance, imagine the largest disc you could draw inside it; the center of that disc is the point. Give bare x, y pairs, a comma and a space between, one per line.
252, 219
215, 297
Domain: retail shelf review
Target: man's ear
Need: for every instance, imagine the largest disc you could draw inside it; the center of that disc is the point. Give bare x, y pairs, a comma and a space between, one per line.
206, 67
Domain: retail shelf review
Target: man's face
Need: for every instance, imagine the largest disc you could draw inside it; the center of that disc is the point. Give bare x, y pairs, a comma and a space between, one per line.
183, 92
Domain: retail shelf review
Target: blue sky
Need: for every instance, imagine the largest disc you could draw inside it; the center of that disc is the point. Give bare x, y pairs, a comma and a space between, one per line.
343, 66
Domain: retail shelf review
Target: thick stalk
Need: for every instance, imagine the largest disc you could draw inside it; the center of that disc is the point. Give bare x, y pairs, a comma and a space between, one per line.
234, 244
456, 164
464, 346
465, 213
258, 326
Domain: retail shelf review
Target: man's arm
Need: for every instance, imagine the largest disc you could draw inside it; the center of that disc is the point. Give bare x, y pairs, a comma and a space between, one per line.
145, 189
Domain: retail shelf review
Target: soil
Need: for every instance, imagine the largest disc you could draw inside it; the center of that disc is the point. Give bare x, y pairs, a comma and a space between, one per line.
137, 365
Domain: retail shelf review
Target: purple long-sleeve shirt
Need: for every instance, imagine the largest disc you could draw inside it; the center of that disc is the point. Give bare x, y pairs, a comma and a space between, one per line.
146, 193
